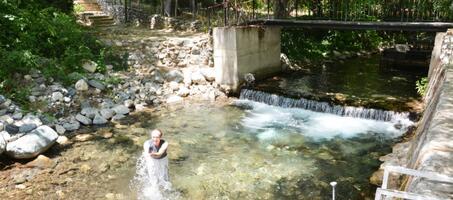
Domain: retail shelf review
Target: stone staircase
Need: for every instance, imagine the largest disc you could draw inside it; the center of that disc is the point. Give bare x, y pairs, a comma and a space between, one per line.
93, 14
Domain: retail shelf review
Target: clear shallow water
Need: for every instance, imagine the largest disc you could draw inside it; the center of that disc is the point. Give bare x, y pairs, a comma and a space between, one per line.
256, 151
357, 82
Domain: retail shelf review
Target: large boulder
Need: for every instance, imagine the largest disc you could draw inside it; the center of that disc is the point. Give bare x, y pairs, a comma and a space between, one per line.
32, 144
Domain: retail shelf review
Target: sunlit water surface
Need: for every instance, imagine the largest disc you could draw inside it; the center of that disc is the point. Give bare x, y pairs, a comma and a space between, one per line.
254, 151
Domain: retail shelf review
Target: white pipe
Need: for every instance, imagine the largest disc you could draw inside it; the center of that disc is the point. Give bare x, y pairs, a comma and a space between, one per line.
333, 184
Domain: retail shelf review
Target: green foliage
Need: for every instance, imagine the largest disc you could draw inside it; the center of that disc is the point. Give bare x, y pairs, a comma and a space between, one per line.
421, 86
309, 44
78, 8
33, 36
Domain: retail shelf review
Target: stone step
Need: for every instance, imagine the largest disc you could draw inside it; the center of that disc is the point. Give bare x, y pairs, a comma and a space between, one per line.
90, 6
100, 17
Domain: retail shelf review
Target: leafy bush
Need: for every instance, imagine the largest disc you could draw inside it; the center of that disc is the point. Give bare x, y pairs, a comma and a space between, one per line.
299, 44
421, 86
37, 37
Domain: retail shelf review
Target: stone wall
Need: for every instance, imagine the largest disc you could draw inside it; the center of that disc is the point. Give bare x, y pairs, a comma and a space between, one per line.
432, 147
117, 12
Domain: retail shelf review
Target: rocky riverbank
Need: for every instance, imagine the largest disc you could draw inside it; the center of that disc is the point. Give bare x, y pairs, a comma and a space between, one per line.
161, 70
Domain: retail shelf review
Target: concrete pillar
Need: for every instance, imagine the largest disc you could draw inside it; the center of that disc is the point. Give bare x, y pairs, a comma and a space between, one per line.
242, 50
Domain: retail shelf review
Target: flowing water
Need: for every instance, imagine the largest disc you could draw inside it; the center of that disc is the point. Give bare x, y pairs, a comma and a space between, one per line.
251, 150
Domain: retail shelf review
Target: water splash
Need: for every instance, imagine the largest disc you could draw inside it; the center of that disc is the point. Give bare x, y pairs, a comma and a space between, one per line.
151, 179
271, 122
347, 111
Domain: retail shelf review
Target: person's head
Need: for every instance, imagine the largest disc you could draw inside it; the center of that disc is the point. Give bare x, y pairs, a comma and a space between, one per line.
156, 135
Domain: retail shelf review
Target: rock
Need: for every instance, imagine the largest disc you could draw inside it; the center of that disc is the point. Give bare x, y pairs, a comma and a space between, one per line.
118, 117
27, 128
63, 140
5, 135
32, 144
6, 104
83, 137
174, 86
174, 75
195, 51
81, 85
85, 168
376, 178
89, 112
174, 99
121, 109
82, 119
42, 162
96, 84
129, 103
31, 119
90, 66
197, 78
7, 119
3, 112
17, 116
2, 144
157, 76
60, 129
72, 125
110, 196
208, 73
2, 126
60, 194
57, 96
2, 99
11, 129
98, 120
183, 92
107, 113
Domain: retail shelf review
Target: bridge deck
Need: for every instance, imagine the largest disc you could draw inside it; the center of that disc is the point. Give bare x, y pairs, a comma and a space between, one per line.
356, 25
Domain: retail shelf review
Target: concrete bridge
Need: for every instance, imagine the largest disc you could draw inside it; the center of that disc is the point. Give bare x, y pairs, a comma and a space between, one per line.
255, 47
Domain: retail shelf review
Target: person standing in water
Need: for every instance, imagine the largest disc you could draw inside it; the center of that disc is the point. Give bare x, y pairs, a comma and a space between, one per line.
155, 151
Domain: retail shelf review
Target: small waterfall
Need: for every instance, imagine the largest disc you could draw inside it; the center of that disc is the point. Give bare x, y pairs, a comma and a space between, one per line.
151, 181
347, 111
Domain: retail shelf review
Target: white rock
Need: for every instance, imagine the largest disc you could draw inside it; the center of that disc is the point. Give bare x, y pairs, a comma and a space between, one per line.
98, 120
208, 73
81, 85
187, 77
32, 144
90, 66
62, 140
198, 78
57, 96
30, 119
183, 92
5, 135
7, 119
174, 99
174, 86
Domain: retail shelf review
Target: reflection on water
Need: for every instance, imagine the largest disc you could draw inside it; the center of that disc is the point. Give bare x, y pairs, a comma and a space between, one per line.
264, 152
358, 82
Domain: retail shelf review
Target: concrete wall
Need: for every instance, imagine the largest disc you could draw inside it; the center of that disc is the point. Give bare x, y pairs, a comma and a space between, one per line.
432, 147
242, 50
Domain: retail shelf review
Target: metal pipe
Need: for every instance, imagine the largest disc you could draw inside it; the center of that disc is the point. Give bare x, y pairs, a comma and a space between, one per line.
333, 184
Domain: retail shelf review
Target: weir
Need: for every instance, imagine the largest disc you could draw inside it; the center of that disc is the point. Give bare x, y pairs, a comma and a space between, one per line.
346, 111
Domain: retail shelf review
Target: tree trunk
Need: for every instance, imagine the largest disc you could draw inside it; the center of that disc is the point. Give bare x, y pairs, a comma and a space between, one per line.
167, 8
280, 9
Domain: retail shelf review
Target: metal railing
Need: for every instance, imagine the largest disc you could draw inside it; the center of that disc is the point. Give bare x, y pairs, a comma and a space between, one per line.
384, 193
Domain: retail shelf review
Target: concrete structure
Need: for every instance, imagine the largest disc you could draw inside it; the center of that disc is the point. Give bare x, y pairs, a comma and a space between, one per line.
242, 50
432, 147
